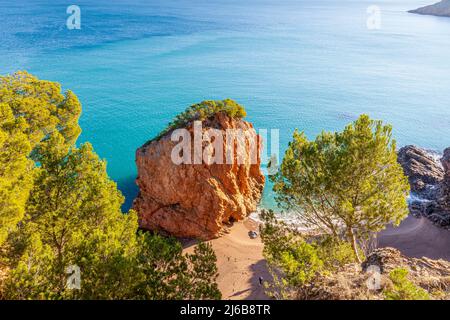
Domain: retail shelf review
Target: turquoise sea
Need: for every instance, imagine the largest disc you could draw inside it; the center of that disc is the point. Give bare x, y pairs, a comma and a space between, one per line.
312, 65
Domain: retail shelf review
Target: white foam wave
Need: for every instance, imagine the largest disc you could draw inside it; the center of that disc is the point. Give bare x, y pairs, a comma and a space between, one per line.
290, 218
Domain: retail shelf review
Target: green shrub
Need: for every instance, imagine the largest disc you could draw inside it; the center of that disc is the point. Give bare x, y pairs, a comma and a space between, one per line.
202, 111
335, 253
300, 264
294, 260
404, 289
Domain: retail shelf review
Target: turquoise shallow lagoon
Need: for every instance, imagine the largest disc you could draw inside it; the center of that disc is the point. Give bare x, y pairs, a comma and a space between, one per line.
310, 64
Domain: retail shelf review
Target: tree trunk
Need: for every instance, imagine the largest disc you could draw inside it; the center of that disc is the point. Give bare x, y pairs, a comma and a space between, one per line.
352, 239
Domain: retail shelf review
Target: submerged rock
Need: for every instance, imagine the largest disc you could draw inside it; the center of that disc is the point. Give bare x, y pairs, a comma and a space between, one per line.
195, 200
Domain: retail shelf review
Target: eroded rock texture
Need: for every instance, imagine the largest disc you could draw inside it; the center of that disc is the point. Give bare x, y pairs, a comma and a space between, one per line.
196, 200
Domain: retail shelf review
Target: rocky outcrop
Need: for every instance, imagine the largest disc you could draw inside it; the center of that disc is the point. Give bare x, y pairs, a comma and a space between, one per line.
351, 281
429, 178
431, 275
441, 9
422, 170
388, 259
195, 200
445, 160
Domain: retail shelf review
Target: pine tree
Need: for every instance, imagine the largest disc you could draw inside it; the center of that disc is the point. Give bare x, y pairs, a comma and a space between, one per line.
30, 109
346, 182
73, 218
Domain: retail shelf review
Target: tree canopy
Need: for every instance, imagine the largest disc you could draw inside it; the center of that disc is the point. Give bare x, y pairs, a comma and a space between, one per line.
345, 183
30, 110
60, 214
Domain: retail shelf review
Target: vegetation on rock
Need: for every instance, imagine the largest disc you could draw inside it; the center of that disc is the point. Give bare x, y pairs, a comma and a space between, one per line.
202, 111
403, 288
180, 197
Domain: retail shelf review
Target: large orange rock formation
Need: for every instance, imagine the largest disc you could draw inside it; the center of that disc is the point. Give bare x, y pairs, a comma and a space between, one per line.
195, 200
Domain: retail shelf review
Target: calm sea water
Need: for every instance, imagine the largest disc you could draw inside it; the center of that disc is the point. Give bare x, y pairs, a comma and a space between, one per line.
310, 64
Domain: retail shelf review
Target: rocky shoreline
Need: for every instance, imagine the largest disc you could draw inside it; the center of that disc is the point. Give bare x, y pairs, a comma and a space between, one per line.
429, 178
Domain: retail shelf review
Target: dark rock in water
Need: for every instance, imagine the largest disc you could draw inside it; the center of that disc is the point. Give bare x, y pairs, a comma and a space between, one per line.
441, 9
430, 183
423, 171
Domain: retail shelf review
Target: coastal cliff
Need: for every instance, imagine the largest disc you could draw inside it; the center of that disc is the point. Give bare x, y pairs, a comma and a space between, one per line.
441, 9
194, 199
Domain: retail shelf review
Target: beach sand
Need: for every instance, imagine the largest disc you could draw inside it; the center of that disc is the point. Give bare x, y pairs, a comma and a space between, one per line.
417, 237
240, 263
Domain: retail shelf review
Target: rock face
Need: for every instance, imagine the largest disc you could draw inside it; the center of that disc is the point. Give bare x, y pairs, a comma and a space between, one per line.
388, 259
445, 160
430, 183
438, 9
443, 198
422, 170
196, 200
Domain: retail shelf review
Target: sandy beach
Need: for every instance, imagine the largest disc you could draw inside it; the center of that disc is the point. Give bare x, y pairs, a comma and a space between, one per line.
417, 237
240, 263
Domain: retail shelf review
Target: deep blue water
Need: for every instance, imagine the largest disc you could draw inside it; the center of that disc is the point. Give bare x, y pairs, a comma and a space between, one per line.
310, 64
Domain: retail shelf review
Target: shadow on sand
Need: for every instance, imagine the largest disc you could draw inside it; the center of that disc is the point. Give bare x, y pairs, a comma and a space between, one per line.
256, 290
